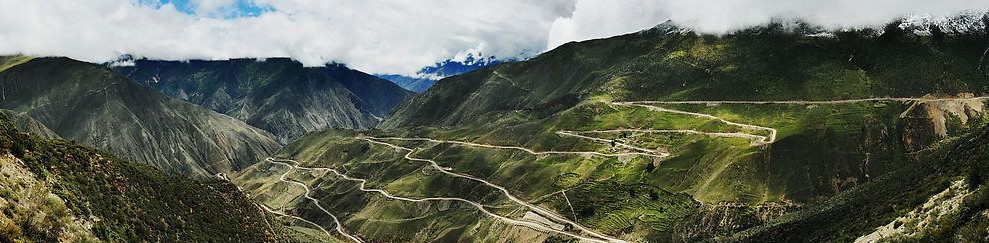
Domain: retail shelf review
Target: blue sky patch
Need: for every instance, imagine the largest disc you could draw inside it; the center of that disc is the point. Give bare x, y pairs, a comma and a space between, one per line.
241, 8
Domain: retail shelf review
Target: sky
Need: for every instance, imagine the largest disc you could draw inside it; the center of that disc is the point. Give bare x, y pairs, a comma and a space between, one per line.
394, 36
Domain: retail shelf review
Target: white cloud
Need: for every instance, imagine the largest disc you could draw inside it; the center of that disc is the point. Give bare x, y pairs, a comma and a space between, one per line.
373, 35
603, 18
397, 36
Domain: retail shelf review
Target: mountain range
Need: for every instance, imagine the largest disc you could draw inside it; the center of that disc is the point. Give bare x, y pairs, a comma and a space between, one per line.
775, 133
99, 107
782, 132
278, 95
427, 77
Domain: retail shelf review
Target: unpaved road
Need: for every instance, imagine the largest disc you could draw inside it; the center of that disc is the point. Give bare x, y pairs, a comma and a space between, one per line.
512, 81
597, 237
643, 151
363, 187
651, 105
530, 151
297, 218
767, 140
753, 137
339, 227
533, 208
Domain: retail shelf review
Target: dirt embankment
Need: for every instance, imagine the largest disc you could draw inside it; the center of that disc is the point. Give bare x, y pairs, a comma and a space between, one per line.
928, 122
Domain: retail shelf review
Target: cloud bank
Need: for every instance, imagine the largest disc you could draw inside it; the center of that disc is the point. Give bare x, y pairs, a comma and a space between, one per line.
602, 18
382, 36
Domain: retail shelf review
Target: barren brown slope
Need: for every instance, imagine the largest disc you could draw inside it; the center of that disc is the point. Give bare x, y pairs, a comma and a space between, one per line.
97, 106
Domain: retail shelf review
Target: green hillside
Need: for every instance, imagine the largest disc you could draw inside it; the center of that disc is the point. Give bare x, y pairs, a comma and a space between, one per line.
58, 191
855, 212
588, 132
668, 63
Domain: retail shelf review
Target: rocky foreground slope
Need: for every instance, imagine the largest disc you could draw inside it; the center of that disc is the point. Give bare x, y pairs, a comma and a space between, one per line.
54, 190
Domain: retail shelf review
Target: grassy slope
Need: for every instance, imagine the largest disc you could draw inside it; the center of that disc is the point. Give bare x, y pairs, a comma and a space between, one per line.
132, 202
853, 213
375, 217
823, 150
11, 61
750, 65
31, 211
760, 63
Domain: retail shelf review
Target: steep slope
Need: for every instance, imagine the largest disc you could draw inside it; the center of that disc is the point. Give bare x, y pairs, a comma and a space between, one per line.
29, 125
773, 62
278, 95
33, 211
96, 106
589, 142
10, 61
582, 87
58, 191
957, 168
416, 84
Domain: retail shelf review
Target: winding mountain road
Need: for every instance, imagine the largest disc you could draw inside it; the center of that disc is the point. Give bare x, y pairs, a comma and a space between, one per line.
339, 226
763, 140
297, 218
646, 152
527, 150
767, 140
511, 81
533, 208
757, 140
363, 187
753, 137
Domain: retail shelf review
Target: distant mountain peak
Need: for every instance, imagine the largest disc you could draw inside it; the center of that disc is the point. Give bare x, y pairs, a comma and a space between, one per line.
279, 95
668, 26
426, 77
925, 24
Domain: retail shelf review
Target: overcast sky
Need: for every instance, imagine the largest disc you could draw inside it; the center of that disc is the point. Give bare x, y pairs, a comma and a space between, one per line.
392, 36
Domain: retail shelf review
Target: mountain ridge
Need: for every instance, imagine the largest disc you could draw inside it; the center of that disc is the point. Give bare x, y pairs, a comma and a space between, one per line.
428, 76
99, 107
593, 132
278, 95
